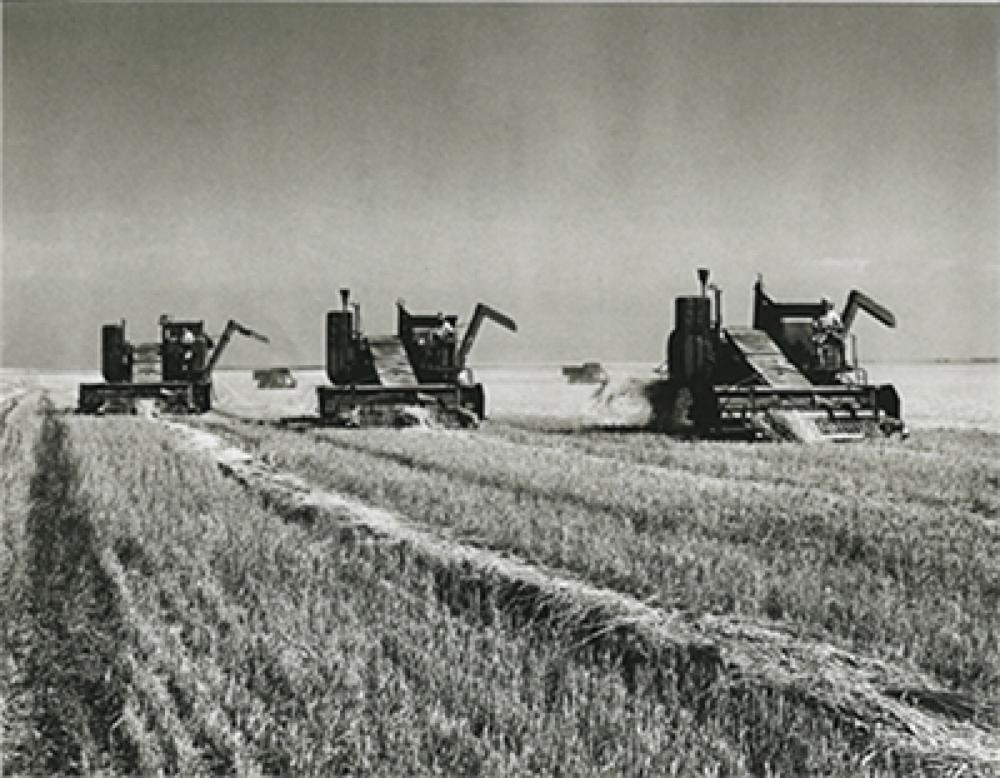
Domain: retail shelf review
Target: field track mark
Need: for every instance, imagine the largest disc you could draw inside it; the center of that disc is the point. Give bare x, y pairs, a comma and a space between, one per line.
898, 707
16, 458
72, 674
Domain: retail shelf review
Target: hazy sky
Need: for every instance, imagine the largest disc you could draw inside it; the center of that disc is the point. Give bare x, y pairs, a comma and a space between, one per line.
571, 165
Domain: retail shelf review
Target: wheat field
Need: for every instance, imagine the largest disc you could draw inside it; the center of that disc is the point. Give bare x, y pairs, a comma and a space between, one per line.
541, 596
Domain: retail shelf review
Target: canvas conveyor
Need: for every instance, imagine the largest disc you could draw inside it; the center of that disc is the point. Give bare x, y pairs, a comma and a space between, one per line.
763, 355
781, 396
390, 361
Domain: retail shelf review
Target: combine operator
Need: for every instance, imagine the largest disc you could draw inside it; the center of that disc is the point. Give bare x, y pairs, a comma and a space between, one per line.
828, 335
444, 332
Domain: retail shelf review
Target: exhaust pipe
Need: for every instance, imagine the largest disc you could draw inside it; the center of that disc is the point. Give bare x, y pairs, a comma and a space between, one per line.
703, 278
345, 307
718, 307
703, 275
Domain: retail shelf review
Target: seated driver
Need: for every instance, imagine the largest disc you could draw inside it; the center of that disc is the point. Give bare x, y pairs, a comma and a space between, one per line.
445, 331
827, 323
828, 336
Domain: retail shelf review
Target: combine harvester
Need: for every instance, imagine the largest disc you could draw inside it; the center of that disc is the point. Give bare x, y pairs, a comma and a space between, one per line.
417, 376
274, 378
587, 373
787, 377
175, 373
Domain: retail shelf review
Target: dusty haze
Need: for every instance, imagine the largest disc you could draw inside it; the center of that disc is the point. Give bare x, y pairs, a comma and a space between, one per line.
569, 164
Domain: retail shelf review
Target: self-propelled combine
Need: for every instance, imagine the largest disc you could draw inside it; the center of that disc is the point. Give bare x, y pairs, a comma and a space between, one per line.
418, 374
793, 374
175, 373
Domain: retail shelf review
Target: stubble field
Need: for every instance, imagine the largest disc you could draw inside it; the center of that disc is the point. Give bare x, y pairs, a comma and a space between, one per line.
540, 596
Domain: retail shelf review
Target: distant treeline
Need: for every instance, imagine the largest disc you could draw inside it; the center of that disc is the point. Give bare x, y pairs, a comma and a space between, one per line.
966, 360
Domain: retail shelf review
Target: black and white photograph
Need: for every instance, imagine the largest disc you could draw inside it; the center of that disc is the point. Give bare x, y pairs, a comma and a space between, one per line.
500, 389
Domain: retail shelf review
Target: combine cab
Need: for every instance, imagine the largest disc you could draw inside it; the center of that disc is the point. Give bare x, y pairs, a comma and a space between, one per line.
792, 375
415, 376
175, 374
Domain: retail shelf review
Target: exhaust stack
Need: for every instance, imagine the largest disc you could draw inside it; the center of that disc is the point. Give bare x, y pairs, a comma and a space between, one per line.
703, 278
